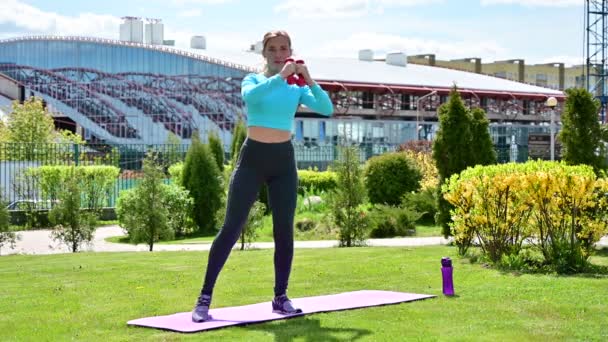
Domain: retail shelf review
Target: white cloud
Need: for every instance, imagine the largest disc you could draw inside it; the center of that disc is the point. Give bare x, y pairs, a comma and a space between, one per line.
342, 8
382, 43
404, 3
200, 2
190, 13
534, 3
221, 41
323, 8
31, 19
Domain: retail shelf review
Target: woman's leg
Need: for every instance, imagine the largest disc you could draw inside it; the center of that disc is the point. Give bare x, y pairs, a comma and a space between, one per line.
282, 192
244, 186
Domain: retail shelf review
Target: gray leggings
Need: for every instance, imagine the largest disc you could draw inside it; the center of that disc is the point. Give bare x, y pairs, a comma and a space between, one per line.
259, 162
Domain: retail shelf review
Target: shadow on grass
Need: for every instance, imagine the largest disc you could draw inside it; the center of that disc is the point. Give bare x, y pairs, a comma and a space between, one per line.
310, 329
601, 251
591, 270
125, 239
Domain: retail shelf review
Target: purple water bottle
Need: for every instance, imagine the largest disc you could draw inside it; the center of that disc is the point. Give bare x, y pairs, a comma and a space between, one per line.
446, 271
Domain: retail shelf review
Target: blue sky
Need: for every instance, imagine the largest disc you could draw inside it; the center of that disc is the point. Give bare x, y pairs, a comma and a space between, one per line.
537, 30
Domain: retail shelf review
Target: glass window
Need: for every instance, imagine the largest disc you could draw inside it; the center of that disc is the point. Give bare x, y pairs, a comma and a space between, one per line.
299, 130
322, 131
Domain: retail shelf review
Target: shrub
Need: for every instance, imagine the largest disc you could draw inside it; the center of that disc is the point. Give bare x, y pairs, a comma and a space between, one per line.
559, 209
389, 176
315, 182
424, 202
254, 222
6, 236
346, 200
390, 221
203, 180
239, 134
179, 206
176, 173
426, 164
142, 211
73, 225
217, 148
416, 146
95, 182
305, 224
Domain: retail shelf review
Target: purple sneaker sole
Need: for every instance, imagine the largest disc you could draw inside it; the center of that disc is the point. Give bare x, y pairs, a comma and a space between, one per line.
284, 308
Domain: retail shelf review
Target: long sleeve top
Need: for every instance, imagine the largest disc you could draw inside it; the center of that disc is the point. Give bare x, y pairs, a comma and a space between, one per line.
272, 103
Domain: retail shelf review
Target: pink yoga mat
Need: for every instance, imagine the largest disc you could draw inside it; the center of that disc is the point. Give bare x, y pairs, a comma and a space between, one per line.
262, 312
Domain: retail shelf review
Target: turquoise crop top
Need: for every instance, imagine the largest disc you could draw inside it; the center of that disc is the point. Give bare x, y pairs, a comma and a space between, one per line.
272, 103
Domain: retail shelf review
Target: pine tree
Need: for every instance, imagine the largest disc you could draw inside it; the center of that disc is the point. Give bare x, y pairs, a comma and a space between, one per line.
202, 178
581, 133
346, 199
481, 143
452, 149
238, 137
217, 148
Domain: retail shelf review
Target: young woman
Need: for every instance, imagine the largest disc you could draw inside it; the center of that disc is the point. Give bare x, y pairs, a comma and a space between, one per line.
266, 156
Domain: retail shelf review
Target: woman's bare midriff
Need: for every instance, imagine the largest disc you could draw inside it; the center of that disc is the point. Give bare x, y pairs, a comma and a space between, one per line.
268, 135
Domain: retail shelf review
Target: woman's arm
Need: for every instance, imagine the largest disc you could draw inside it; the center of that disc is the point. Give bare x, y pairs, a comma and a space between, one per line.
313, 96
252, 91
317, 99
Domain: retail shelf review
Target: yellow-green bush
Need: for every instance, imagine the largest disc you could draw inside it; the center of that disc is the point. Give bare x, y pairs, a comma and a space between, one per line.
316, 181
559, 210
426, 165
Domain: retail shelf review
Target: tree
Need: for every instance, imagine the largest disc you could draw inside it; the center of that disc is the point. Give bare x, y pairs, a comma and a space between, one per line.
202, 178
68, 137
255, 220
30, 123
6, 236
3, 131
238, 137
217, 148
173, 153
481, 141
452, 149
389, 176
143, 211
581, 133
73, 226
604, 132
347, 198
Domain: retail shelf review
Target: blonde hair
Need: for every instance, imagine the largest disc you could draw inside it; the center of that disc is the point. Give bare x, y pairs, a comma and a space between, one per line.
273, 34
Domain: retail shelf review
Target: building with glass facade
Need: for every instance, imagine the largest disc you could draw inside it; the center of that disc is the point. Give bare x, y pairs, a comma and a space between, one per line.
121, 92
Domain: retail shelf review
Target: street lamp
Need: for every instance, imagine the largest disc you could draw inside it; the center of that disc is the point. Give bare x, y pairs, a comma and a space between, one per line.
552, 103
434, 92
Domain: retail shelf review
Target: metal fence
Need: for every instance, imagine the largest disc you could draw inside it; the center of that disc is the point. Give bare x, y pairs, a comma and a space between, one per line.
15, 158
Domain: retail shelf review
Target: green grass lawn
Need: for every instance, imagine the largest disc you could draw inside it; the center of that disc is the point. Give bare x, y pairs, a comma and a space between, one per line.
91, 296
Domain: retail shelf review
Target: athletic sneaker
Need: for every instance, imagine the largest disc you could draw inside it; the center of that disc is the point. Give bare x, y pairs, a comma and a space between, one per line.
282, 305
201, 310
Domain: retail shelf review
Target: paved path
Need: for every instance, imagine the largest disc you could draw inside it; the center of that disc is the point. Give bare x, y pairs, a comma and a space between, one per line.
39, 242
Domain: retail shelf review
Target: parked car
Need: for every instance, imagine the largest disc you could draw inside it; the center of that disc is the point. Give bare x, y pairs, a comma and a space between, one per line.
31, 204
